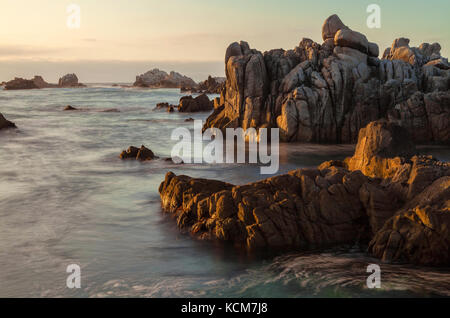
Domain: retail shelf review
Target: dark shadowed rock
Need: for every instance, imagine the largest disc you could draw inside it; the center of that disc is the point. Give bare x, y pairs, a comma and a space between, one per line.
212, 85
20, 83
4, 123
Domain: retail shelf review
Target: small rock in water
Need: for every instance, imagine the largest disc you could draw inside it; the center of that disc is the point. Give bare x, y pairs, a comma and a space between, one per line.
68, 107
141, 154
175, 160
189, 119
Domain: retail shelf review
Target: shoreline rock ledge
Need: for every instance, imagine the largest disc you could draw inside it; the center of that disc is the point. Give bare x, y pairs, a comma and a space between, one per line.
327, 92
398, 206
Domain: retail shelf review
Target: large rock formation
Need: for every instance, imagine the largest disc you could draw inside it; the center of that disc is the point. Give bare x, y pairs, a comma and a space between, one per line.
327, 92
160, 79
69, 80
401, 209
4, 123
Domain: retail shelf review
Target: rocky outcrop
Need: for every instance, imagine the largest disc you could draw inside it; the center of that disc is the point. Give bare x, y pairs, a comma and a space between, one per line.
327, 92
212, 85
163, 106
141, 154
401, 210
189, 104
69, 80
20, 83
41, 83
4, 123
160, 79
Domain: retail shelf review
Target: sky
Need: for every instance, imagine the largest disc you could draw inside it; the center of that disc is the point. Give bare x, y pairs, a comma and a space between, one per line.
119, 39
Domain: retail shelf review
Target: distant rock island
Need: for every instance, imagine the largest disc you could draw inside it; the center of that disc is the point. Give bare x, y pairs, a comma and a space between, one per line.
327, 92
160, 79
4, 123
69, 80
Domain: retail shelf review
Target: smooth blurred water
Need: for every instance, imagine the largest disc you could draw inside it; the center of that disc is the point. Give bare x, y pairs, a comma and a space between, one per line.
66, 197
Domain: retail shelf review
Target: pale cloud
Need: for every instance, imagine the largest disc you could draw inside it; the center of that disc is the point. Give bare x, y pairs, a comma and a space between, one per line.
26, 50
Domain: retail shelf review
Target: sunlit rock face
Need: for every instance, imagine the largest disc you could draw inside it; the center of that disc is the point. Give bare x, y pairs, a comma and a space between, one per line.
384, 196
327, 92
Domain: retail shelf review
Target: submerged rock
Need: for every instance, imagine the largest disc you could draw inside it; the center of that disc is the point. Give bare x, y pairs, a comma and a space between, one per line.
141, 154
160, 79
4, 123
69, 108
402, 210
327, 92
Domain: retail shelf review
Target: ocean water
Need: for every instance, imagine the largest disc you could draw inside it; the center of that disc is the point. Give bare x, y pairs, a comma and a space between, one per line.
66, 198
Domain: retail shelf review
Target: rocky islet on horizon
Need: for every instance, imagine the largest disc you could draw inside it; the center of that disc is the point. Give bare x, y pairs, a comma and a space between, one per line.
68, 80
157, 78
212, 85
189, 104
327, 92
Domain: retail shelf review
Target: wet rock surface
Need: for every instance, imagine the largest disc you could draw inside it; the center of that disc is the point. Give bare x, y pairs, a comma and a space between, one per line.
327, 92
400, 209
